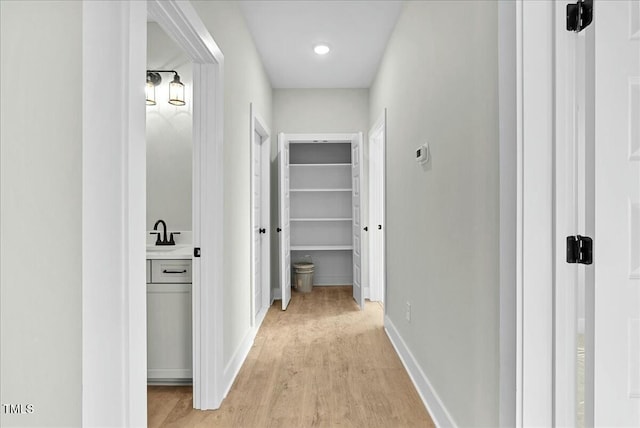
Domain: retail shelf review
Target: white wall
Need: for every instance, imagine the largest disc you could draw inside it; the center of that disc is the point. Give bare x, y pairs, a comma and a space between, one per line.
41, 217
245, 81
311, 111
169, 142
320, 110
439, 81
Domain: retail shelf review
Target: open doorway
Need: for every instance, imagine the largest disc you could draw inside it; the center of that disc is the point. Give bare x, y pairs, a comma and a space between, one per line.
169, 124
320, 212
184, 27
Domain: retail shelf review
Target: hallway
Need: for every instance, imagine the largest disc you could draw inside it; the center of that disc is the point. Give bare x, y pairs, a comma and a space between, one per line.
322, 362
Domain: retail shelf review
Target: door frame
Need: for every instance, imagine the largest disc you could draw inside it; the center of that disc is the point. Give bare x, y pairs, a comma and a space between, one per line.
535, 202
357, 156
574, 194
379, 126
259, 126
113, 324
286, 139
545, 368
182, 23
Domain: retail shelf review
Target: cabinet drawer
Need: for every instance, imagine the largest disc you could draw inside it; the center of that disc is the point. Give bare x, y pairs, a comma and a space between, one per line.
171, 271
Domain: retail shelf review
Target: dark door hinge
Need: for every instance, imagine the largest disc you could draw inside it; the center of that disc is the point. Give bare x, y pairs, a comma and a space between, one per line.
579, 249
196, 252
579, 15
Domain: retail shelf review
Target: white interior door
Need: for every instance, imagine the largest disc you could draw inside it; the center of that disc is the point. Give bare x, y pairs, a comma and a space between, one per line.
258, 227
285, 228
260, 216
617, 214
356, 165
376, 210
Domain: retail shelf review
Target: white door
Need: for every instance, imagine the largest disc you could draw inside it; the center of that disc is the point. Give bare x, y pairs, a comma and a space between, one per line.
376, 210
617, 214
258, 227
356, 164
285, 229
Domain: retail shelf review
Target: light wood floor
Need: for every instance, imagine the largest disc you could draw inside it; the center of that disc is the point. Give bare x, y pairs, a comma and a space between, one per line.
320, 363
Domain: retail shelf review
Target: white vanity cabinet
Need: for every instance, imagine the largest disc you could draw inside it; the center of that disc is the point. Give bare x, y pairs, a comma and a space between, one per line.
169, 338
319, 180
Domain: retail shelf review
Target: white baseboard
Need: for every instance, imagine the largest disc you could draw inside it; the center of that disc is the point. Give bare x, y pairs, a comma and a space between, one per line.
233, 368
339, 280
432, 402
234, 365
165, 374
259, 318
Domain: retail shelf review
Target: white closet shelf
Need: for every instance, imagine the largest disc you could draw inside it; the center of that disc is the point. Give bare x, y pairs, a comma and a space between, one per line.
320, 190
321, 247
320, 164
322, 219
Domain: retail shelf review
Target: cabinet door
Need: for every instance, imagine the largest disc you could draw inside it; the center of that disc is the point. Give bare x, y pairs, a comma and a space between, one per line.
356, 160
285, 229
169, 343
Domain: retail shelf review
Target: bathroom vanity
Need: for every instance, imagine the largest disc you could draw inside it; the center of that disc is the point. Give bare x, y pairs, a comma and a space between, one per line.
169, 319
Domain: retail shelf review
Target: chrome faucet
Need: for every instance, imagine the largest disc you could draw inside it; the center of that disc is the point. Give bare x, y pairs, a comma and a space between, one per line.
164, 240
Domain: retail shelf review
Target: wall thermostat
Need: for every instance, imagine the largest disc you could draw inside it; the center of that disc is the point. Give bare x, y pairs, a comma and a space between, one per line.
422, 154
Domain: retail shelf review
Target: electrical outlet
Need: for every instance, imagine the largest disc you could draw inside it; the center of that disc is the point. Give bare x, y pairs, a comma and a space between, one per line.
408, 312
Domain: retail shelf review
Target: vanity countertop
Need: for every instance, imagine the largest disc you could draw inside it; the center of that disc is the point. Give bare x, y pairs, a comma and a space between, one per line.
169, 252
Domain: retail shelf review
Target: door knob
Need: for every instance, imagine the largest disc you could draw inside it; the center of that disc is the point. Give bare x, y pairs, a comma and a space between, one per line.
366, 228
379, 227
278, 230
262, 230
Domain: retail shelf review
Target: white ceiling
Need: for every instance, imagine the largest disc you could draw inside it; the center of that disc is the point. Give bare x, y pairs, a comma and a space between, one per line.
285, 33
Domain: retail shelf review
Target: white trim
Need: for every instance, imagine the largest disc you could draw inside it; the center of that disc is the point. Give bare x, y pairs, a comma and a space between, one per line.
156, 375
113, 216
535, 207
236, 361
114, 159
565, 218
377, 294
258, 125
340, 137
181, 22
261, 316
437, 410
519, 208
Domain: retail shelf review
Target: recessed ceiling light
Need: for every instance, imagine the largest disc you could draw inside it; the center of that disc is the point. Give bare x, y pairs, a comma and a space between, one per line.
321, 49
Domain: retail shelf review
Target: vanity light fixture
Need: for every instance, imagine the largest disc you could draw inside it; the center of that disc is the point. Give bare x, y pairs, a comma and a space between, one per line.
176, 87
176, 91
321, 49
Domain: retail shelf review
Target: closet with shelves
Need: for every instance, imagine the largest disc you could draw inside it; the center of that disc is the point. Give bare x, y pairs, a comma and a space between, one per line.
319, 179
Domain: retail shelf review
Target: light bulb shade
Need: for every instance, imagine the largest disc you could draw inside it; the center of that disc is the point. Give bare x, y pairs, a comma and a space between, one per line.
150, 92
176, 91
321, 49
